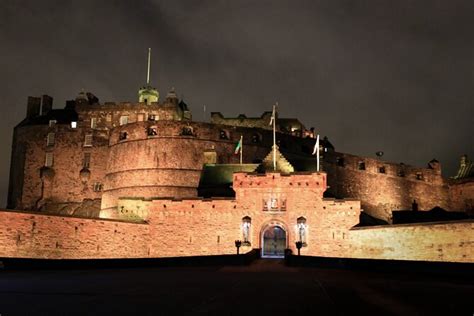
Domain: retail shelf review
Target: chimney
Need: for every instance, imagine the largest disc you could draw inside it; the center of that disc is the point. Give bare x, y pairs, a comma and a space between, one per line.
47, 104
33, 107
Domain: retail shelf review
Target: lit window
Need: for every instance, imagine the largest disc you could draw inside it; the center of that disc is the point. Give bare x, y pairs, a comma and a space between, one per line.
301, 228
88, 140
246, 224
73, 124
48, 160
50, 139
87, 160
52, 123
123, 120
93, 122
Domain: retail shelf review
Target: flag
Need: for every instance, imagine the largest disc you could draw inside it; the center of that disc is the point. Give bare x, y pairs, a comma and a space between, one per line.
238, 147
273, 116
316, 146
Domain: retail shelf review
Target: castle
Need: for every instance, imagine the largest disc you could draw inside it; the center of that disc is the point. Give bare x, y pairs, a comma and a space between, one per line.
143, 179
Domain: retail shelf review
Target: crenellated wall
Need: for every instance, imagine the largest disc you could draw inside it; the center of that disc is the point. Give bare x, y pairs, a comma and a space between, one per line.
393, 189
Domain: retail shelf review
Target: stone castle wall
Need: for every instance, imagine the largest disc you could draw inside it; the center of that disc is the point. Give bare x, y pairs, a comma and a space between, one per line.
210, 227
382, 192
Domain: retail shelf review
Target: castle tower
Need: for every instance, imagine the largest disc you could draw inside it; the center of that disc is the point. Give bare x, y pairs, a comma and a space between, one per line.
148, 94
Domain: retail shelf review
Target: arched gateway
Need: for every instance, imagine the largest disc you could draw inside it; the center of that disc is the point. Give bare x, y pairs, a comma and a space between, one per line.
274, 241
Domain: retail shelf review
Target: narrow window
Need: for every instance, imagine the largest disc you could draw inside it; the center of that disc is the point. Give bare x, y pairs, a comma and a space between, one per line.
361, 165
87, 160
50, 139
73, 124
123, 120
88, 140
93, 123
97, 187
301, 230
246, 223
48, 160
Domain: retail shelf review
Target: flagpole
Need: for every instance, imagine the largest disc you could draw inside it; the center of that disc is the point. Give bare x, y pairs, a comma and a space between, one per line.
241, 147
274, 137
317, 154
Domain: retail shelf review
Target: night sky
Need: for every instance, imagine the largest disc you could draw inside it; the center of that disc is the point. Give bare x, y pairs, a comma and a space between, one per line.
396, 76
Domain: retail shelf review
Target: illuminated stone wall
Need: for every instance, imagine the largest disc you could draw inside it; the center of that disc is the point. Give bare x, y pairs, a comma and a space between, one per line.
33, 235
452, 242
190, 227
381, 193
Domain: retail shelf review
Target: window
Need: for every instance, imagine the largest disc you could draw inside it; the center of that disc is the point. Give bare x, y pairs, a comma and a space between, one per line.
382, 169
52, 123
93, 122
141, 117
48, 160
97, 187
73, 124
152, 117
88, 140
419, 176
223, 134
246, 223
87, 160
152, 131
123, 120
401, 173
50, 139
123, 135
361, 165
108, 118
301, 228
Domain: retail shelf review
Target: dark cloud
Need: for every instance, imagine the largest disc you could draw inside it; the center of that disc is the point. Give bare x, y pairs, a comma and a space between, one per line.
374, 75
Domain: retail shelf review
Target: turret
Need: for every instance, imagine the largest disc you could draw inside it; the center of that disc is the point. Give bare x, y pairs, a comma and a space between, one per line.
148, 94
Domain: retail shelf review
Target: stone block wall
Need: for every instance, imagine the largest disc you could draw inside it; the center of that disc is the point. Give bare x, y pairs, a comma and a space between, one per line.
450, 242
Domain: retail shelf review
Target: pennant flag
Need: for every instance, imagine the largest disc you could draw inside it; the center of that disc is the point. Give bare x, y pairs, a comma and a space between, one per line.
316, 146
238, 147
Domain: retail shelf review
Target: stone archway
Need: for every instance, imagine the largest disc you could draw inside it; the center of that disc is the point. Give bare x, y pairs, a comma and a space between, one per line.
274, 241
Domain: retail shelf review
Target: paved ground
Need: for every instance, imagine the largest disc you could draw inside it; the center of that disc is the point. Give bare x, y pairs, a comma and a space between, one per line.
265, 287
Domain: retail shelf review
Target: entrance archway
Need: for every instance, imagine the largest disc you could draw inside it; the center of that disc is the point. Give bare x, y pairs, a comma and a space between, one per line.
273, 242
